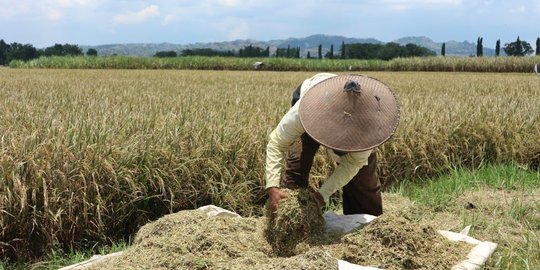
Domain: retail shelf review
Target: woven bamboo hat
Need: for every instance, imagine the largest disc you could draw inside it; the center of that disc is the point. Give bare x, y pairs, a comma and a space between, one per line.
349, 113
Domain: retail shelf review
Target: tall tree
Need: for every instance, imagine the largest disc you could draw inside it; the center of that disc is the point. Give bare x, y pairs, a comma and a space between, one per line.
538, 46
519, 45
343, 50
331, 55
390, 50
249, 51
498, 47
518, 48
3, 52
443, 49
479, 47
288, 51
91, 52
162, 54
320, 51
62, 50
19, 51
308, 55
72, 49
281, 52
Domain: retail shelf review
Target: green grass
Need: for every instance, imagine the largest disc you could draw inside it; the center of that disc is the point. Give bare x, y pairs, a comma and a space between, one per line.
440, 192
58, 258
454, 64
501, 203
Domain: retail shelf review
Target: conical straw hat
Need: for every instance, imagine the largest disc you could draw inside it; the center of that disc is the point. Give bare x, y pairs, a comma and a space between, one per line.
349, 113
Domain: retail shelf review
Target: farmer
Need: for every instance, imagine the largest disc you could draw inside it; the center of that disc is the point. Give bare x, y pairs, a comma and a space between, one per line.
350, 115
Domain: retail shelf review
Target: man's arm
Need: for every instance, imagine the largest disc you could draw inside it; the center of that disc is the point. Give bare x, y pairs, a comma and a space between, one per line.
288, 130
348, 167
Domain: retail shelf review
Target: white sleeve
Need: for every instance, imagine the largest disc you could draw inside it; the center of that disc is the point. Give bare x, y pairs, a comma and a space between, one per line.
288, 130
348, 167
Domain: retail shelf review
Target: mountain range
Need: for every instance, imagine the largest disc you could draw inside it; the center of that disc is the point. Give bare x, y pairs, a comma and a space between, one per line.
310, 43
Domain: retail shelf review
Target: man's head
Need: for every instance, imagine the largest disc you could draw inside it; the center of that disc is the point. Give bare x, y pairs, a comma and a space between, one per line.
349, 113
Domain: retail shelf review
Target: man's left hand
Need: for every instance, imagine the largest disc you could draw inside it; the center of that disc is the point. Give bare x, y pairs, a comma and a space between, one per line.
319, 198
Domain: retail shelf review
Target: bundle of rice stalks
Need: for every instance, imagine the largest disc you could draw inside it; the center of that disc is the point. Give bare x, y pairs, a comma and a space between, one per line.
298, 217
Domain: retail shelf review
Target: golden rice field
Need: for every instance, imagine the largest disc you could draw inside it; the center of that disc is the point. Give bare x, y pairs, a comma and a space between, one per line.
91, 155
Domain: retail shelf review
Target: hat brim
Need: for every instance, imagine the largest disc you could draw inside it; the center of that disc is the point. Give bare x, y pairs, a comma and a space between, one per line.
348, 121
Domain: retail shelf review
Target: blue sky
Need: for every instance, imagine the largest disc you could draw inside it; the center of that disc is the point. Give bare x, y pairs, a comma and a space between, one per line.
93, 22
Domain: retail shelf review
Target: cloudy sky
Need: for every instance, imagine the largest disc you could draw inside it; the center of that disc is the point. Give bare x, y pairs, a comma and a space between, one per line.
93, 22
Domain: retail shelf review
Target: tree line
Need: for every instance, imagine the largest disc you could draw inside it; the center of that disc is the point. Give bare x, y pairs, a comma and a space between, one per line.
348, 51
516, 48
387, 51
18, 51
366, 51
247, 51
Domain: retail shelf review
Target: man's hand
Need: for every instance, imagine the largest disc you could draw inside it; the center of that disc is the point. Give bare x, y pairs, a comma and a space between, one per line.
319, 198
274, 196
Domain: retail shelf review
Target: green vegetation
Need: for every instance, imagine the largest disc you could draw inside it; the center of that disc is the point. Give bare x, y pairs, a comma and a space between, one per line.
518, 48
443, 49
24, 52
91, 52
165, 54
442, 191
58, 258
499, 202
386, 51
452, 64
538, 46
88, 156
479, 47
351, 51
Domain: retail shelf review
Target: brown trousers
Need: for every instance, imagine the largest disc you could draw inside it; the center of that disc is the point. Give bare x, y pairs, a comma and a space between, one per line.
362, 195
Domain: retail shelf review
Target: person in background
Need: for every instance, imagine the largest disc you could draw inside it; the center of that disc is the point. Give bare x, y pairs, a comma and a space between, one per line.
350, 115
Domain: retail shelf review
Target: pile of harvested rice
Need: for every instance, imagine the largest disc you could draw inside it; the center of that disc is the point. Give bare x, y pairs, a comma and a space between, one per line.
297, 218
394, 242
191, 240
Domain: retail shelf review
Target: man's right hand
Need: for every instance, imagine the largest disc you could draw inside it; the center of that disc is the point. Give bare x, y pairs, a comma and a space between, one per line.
274, 196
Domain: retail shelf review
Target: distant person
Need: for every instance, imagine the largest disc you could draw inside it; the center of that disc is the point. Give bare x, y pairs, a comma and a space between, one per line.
348, 114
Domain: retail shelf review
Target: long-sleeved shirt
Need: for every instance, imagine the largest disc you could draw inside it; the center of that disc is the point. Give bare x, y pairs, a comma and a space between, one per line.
289, 130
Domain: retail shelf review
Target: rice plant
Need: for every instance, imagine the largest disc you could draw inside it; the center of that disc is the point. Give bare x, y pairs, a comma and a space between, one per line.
89, 156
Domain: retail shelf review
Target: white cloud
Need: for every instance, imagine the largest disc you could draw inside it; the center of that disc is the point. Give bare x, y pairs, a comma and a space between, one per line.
518, 9
408, 4
230, 3
71, 3
233, 28
239, 31
139, 16
54, 14
50, 9
168, 19
9, 10
427, 2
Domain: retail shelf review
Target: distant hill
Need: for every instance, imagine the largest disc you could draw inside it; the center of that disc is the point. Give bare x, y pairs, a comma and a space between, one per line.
310, 43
